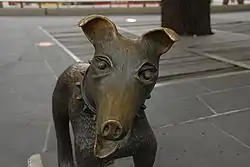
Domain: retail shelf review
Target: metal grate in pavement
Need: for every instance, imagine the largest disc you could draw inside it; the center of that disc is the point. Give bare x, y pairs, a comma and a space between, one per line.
177, 64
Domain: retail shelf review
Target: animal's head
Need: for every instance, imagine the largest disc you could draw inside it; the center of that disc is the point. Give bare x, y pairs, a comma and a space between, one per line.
120, 77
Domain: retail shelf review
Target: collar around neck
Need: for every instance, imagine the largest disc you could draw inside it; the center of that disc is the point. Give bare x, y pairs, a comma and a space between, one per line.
83, 94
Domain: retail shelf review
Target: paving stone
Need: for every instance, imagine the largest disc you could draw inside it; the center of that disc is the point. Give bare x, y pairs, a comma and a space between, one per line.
161, 113
199, 144
237, 27
173, 92
225, 101
226, 82
236, 54
35, 68
83, 51
191, 68
237, 125
20, 141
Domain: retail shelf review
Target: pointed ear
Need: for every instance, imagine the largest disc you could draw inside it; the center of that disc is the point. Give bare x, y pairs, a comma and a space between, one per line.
160, 40
98, 28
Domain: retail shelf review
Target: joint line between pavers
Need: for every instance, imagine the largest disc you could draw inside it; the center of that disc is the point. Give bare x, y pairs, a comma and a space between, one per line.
45, 147
202, 87
64, 48
166, 83
206, 117
207, 105
35, 160
219, 58
228, 32
50, 69
226, 90
49, 125
232, 136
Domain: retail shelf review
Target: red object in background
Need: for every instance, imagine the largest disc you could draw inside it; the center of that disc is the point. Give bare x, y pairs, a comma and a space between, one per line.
14, 3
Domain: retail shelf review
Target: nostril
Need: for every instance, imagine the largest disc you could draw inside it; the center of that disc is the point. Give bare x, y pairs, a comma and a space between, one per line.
112, 130
118, 131
106, 130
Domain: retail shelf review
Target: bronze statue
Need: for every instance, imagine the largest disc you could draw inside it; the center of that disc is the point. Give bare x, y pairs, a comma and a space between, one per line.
104, 100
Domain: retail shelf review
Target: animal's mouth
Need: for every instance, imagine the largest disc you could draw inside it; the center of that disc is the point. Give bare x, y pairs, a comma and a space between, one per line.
104, 147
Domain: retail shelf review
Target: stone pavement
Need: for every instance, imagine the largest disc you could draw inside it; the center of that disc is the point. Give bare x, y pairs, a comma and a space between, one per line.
200, 116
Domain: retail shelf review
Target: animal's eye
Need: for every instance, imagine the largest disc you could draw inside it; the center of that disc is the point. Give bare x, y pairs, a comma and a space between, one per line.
102, 66
102, 63
147, 73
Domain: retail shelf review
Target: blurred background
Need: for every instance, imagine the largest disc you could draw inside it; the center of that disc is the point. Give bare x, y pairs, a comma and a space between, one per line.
97, 3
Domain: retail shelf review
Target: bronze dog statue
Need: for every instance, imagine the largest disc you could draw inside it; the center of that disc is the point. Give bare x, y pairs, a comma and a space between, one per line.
104, 100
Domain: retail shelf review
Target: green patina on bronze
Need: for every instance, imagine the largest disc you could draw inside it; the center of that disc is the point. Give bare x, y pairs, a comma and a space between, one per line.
104, 100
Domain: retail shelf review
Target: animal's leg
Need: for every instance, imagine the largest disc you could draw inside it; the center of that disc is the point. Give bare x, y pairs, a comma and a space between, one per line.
145, 157
143, 137
61, 122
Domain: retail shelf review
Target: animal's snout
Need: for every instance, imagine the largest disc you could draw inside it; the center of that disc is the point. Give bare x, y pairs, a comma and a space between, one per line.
112, 130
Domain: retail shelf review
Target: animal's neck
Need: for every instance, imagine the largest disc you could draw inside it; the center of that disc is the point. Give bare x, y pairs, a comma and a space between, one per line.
86, 95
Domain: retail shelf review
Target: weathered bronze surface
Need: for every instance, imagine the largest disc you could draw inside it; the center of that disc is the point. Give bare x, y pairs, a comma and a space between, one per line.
104, 100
